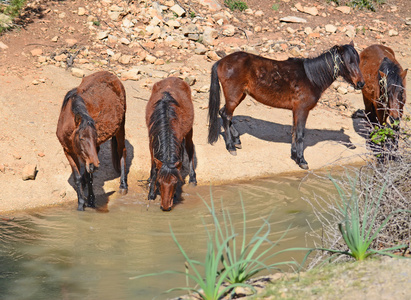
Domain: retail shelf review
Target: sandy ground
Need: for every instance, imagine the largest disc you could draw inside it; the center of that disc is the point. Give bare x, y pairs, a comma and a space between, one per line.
30, 114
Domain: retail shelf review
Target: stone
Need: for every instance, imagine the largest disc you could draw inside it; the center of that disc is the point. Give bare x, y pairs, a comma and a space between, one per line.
125, 59
191, 80
102, 35
178, 10
392, 32
228, 30
29, 172
2, 168
55, 39
342, 90
81, 11
114, 15
77, 72
212, 5
344, 9
173, 24
290, 30
330, 28
150, 58
3, 46
259, 13
209, 35
292, 19
70, 42
308, 30
213, 55
125, 41
350, 31
192, 28
311, 10
36, 52
200, 49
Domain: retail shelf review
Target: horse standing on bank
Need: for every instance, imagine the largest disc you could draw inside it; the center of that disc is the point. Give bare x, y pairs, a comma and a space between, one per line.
169, 119
295, 84
384, 92
91, 114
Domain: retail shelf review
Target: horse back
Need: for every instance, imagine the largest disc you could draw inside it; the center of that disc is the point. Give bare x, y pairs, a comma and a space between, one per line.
271, 82
105, 99
181, 92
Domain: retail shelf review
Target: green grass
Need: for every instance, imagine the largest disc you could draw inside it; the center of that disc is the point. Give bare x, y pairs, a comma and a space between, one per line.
360, 4
236, 5
11, 10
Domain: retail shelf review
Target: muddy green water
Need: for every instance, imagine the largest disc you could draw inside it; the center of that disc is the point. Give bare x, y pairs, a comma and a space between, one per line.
59, 253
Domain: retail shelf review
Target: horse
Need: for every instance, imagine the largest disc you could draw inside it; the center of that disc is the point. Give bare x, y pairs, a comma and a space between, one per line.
295, 84
169, 119
384, 92
91, 114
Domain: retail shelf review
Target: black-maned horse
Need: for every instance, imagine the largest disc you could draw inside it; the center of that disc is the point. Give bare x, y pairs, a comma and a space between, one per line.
91, 114
295, 84
169, 119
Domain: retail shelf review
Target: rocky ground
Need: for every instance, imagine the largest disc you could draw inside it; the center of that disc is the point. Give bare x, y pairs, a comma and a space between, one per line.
56, 43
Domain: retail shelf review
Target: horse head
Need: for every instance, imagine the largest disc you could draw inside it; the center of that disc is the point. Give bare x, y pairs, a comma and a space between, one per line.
168, 179
392, 93
349, 67
86, 143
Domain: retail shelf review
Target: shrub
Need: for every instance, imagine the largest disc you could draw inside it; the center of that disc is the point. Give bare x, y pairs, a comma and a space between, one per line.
236, 5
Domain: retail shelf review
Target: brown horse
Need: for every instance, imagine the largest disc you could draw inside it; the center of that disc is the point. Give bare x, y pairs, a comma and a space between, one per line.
169, 118
295, 84
91, 114
384, 91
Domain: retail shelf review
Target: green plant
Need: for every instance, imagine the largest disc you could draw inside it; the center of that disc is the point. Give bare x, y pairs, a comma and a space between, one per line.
357, 226
236, 5
192, 14
384, 133
367, 4
224, 268
275, 6
10, 11
96, 23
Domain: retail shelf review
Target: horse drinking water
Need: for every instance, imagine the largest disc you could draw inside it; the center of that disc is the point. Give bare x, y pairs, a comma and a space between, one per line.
384, 91
295, 84
91, 114
169, 118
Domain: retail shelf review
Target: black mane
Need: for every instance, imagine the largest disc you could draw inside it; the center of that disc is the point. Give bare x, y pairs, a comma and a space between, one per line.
392, 72
78, 107
165, 145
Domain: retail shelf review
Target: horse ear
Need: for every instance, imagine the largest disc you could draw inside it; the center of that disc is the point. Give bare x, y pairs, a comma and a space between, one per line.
77, 119
382, 74
352, 43
403, 74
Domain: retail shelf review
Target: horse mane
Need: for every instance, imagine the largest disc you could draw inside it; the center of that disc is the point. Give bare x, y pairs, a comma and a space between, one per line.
164, 142
78, 107
323, 69
392, 72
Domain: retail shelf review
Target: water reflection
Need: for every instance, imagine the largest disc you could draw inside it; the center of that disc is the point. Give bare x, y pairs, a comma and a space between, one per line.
59, 253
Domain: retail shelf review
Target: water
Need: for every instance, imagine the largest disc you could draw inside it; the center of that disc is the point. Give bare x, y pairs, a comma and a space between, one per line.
59, 253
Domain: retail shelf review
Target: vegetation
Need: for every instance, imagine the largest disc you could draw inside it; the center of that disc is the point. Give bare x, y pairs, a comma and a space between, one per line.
225, 266
9, 10
360, 4
236, 5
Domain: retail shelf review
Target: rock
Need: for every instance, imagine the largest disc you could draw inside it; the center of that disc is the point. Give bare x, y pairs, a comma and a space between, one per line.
76, 72
81, 11
212, 5
213, 55
200, 49
290, 30
29, 172
350, 31
102, 35
125, 41
150, 58
191, 80
311, 10
133, 74
295, 51
344, 9
190, 29
173, 23
55, 39
228, 30
209, 35
342, 90
292, 19
203, 89
125, 59
2, 168
178, 10
70, 42
3, 46
259, 13
392, 32
308, 30
36, 52
330, 28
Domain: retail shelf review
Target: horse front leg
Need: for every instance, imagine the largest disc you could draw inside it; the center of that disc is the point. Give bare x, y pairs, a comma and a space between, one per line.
122, 153
190, 152
91, 199
297, 146
79, 181
152, 191
229, 143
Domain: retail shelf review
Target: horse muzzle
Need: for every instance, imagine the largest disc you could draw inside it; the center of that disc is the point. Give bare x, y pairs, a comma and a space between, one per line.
360, 85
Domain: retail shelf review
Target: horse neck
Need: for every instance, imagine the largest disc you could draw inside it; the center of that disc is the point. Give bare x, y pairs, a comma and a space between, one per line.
165, 144
324, 69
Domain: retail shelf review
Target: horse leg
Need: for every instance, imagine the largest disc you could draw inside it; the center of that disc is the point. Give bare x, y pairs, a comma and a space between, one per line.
153, 182
78, 179
232, 137
297, 146
91, 199
122, 153
190, 152
236, 136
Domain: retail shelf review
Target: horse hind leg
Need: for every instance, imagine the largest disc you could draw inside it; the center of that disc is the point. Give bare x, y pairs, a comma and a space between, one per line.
119, 154
229, 138
190, 152
297, 146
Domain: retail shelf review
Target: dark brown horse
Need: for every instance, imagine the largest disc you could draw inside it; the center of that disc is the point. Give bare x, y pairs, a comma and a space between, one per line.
91, 114
169, 118
384, 91
295, 84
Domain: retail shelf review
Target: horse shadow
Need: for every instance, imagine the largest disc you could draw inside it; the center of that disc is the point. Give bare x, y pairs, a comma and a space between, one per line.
105, 172
280, 133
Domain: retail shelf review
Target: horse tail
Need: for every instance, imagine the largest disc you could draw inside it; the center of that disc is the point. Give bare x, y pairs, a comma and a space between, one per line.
214, 106
115, 157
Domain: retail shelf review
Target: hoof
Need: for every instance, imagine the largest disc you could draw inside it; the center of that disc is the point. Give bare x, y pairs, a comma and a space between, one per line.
193, 183
123, 191
238, 146
303, 166
80, 208
92, 205
233, 152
